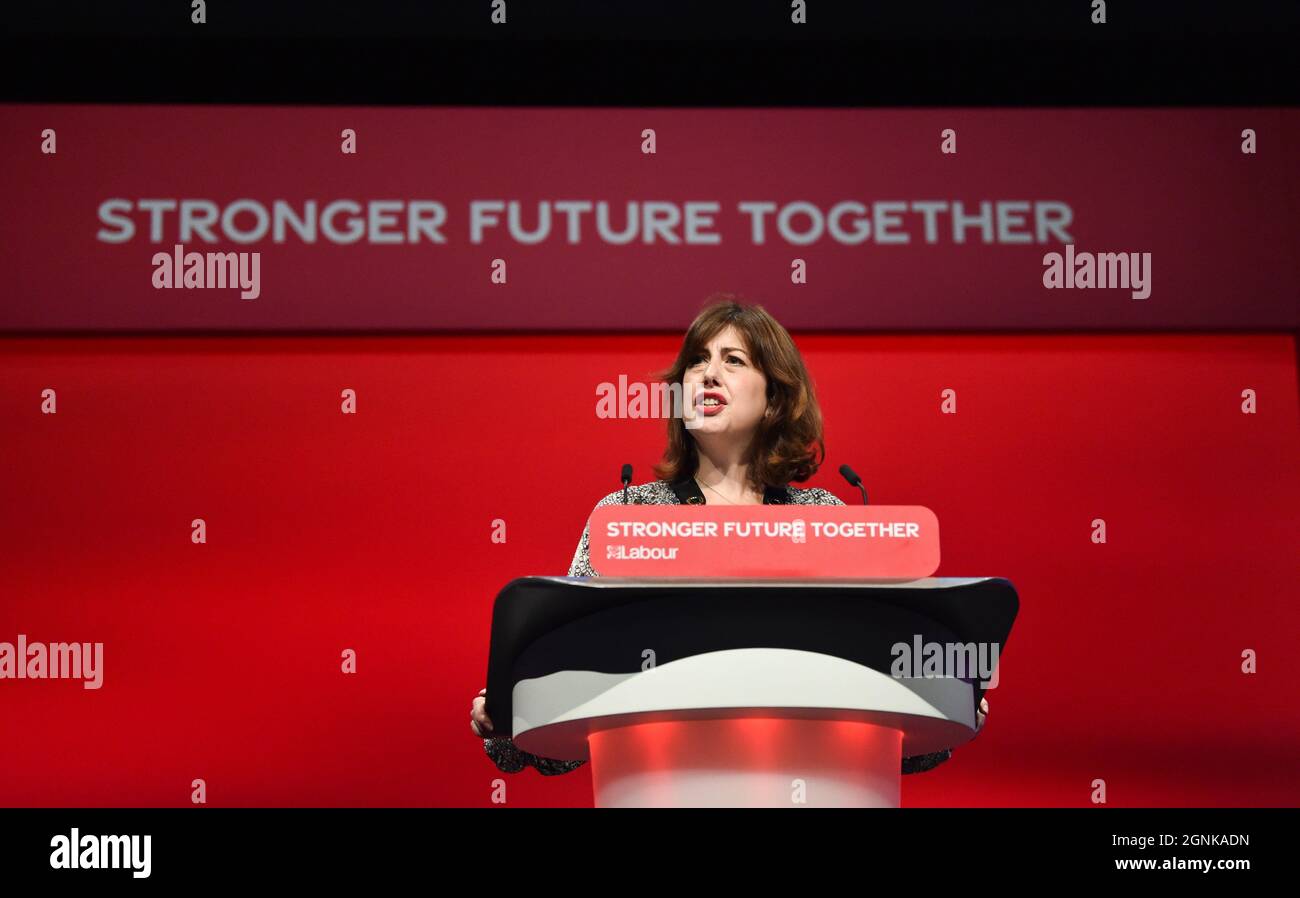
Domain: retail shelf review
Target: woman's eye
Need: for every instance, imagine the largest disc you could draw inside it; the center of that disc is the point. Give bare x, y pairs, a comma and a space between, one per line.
733, 358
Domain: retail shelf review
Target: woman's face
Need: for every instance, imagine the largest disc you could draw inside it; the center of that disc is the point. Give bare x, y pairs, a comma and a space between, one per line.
725, 374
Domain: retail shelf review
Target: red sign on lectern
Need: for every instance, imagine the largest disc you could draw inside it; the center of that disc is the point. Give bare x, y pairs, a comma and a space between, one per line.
867, 542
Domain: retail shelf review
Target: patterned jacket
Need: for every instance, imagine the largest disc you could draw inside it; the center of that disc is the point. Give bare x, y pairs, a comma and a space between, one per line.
510, 759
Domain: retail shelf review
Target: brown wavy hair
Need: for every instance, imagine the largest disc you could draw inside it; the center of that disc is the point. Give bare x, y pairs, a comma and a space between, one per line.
788, 445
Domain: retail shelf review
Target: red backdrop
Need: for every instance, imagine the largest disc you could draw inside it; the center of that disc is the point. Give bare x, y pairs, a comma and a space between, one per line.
1222, 226
372, 532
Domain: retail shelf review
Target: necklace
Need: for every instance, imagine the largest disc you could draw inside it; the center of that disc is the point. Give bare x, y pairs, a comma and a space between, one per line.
702, 483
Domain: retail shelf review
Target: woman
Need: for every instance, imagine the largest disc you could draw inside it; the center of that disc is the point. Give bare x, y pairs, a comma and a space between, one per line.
754, 428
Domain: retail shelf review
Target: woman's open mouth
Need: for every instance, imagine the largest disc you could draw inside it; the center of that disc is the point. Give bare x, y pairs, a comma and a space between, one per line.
710, 404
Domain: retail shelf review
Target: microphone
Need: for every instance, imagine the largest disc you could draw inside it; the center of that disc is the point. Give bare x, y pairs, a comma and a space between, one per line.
627, 478
854, 480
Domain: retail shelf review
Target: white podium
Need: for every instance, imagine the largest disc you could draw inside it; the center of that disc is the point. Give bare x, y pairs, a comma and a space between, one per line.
734, 693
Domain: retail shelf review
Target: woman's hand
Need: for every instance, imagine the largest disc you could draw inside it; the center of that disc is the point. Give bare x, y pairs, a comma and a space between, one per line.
479, 721
981, 714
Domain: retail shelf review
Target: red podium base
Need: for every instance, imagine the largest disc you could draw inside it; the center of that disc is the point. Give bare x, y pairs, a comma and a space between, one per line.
756, 762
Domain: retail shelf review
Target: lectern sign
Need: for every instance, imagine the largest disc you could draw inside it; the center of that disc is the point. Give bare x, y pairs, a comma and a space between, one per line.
870, 542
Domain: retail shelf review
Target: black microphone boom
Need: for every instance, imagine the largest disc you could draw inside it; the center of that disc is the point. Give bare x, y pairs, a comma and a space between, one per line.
627, 478
854, 480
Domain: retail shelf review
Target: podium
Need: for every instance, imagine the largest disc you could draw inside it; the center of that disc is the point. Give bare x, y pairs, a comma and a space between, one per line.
738, 693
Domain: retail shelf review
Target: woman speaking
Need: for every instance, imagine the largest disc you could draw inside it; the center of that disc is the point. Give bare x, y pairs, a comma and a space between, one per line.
755, 428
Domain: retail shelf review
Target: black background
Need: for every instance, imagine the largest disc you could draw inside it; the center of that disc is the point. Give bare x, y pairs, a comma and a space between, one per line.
655, 53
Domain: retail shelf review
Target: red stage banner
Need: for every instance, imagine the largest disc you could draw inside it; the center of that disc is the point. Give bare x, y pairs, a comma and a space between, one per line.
245, 219
840, 542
